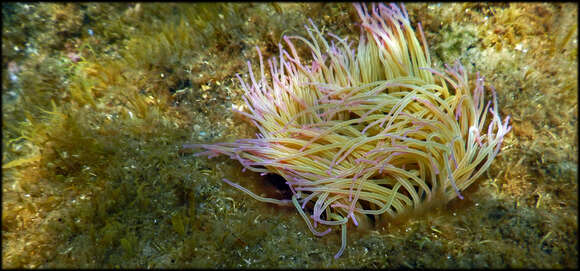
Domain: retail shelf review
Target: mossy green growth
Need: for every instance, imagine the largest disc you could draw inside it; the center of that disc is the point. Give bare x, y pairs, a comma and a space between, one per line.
454, 41
129, 244
179, 223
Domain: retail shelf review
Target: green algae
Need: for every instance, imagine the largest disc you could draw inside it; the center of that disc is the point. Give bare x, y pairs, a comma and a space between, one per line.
99, 179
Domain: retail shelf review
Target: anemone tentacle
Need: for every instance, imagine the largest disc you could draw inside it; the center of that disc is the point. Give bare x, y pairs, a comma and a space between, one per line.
374, 130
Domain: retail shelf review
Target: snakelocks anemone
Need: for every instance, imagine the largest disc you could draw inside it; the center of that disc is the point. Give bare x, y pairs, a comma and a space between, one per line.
368, 131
